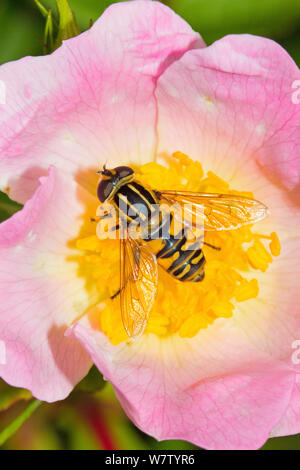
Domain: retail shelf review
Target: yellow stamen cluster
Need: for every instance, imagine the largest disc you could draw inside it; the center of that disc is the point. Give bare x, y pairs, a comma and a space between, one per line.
182, 308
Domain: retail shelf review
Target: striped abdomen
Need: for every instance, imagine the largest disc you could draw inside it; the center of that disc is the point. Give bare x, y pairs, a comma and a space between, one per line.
182, 263
174, 254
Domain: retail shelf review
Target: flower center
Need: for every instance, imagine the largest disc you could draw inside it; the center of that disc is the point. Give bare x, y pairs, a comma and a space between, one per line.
182, 307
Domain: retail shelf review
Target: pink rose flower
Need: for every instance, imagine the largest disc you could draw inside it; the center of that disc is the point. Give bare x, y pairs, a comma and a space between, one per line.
140, 84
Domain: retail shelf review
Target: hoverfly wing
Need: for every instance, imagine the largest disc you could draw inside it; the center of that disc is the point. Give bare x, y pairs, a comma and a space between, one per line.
138, 283
215, 211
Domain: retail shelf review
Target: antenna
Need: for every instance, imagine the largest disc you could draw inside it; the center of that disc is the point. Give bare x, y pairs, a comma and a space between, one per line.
104, 171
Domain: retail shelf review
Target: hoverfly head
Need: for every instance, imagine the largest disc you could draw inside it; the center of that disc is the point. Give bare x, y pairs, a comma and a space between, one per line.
112, 180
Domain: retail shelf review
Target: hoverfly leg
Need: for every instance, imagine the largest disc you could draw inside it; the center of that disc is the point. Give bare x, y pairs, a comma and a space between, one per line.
115, 228
201, 238
218, 248
116, 294
106, 215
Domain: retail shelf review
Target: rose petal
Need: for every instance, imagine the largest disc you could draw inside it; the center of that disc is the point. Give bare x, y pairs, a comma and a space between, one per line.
92, 100
290, 422
41, 292
227, 105
233, 99
170, 392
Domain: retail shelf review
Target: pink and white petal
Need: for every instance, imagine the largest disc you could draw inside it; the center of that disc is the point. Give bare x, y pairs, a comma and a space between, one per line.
290, 422
233, 99
271, 321
92, 100
41, 291
228, 106
207, 390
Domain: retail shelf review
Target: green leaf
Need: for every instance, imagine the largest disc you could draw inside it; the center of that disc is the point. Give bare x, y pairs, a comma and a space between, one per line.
283, 443
270, 18
20, 30
18, 421
292, 45
67, 26
64, 28
10, 395
86, 10
7, 207
92, 382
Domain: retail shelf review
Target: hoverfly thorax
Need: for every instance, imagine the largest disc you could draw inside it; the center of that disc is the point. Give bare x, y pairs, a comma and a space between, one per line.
112, 180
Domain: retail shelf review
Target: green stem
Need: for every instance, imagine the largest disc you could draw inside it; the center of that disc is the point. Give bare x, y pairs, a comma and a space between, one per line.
41, 7
17, 423
44, 11
49, 34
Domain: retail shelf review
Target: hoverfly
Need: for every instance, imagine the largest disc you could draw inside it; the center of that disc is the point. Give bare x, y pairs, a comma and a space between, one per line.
139, 205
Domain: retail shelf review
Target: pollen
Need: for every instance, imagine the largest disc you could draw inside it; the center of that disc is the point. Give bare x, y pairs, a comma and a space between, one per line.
181, 308
246, 290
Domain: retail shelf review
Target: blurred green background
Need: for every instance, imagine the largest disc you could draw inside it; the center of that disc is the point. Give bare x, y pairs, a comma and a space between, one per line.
91, 419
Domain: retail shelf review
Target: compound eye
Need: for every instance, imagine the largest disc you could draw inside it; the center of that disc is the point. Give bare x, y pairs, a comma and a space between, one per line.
105, 188
124, 171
